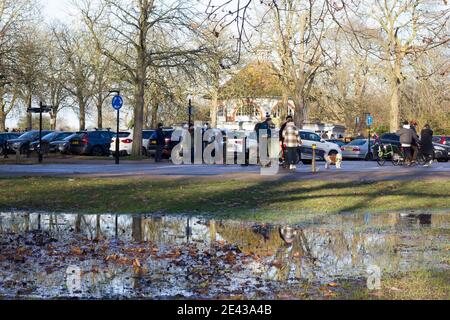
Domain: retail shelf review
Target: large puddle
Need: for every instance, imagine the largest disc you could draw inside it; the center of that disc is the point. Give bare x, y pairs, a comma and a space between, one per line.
161, 257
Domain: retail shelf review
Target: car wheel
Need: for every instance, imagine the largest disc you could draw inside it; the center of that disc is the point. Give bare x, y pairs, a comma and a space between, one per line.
97, 151
144, 152
369, 156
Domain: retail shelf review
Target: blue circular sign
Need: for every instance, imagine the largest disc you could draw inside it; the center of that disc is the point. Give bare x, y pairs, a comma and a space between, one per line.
117, 102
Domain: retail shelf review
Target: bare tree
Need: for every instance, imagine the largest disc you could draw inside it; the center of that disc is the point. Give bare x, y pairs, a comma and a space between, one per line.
16, 44
299, 39
132, 30
74, 47
397, 29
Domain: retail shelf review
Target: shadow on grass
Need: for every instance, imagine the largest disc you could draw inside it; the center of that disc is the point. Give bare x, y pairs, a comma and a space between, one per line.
227, 199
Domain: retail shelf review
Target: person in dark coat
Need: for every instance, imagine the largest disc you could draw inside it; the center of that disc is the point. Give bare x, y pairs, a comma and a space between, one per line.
160, 142
426, 146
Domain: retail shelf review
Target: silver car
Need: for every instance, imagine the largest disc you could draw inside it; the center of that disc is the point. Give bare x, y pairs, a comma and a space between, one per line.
358, 149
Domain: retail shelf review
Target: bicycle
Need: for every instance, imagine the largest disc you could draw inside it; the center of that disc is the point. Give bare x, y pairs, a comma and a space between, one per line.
400, 158
385, 152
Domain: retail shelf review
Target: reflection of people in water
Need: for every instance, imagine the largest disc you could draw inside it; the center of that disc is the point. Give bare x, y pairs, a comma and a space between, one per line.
294, 252
412, 219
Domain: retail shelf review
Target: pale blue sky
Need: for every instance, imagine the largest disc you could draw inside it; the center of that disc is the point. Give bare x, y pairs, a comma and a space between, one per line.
56, 9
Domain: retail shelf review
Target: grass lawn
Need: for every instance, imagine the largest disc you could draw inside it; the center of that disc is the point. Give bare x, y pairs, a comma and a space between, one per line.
287, 201
419, 285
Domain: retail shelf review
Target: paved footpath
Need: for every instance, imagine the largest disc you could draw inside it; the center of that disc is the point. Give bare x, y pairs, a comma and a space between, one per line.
352, 170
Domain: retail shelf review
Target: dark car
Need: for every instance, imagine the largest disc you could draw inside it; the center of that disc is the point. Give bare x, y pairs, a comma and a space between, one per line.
63, 145
391, 138
48, 139
4, 137
168, 146
23, 142
93, 143
442, 140
441, 152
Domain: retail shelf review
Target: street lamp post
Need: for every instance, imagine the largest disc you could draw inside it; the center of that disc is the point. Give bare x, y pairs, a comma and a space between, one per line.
42, 109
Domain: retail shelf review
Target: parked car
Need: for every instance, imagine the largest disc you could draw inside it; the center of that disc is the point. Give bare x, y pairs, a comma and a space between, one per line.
126, 142
340, 143
441, 152
62, 146
23, 142
46, 140
169, 144
358, 149
390, 138
4, 137
93, 143
442, 140
323, 148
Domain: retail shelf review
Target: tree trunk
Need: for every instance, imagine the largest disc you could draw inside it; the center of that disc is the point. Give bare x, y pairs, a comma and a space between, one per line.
395, 109
139, 87
395, 95
100, 113
147, 122
82, 114
213, 111
2, 117
299, 117
285, 106
155, 108
53, 117
29, 114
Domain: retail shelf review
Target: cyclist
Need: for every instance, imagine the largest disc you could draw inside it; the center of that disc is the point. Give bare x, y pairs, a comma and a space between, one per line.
407, 138
426, 145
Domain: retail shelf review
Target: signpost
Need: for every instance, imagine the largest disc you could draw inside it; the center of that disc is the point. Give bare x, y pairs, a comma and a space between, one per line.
42, 108
117, 104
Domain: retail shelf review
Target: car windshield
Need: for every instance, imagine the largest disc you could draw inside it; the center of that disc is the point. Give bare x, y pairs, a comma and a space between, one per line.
51, 136
29, 135
123, 135
73, 135
358, 142
147, 134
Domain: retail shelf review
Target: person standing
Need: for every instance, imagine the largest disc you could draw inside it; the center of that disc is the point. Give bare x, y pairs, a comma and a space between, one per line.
415, 143
283, 126
426, 146
407, 138
160, 141
291, 141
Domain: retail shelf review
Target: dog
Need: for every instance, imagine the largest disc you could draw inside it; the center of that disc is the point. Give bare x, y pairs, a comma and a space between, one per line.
334, 159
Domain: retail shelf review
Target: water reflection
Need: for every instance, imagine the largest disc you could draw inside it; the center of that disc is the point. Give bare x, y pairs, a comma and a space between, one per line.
335, 247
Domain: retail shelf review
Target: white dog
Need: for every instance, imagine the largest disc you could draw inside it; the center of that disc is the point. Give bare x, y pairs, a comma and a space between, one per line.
337, 160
